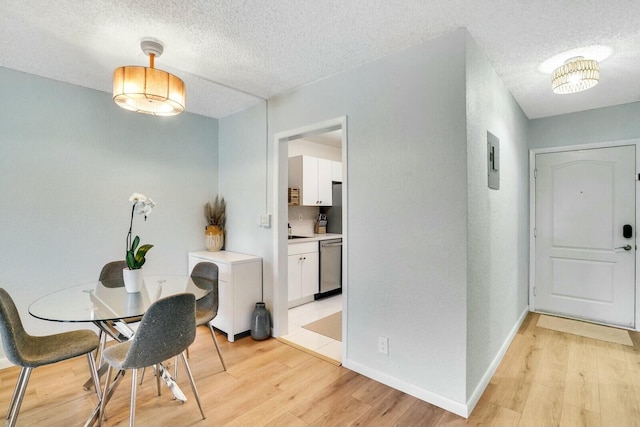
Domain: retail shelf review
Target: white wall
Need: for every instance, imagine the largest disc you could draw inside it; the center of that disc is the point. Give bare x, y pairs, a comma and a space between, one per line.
69, 159
300, 147
497, 295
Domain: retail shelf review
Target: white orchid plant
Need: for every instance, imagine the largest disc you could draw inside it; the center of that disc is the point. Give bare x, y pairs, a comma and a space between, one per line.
143, 205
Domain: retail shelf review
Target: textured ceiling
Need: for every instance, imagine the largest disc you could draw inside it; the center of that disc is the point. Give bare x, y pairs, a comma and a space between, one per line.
231, 54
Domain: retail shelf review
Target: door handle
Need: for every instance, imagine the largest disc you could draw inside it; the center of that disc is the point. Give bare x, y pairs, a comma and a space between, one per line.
625, 247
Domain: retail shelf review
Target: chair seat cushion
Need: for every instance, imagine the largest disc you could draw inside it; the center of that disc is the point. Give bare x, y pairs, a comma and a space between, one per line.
39, 351
204, 315
116, 354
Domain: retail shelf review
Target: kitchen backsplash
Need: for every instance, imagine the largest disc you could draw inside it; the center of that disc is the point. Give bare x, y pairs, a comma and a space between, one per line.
303, 219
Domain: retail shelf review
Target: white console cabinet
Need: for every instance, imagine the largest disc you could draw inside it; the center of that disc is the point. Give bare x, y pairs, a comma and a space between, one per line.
239, 288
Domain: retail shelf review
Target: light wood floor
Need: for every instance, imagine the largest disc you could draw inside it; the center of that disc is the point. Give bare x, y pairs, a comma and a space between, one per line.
546, 378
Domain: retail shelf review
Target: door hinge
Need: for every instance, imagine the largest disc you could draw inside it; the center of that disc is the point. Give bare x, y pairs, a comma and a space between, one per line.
534, 232
534, 291
535, 173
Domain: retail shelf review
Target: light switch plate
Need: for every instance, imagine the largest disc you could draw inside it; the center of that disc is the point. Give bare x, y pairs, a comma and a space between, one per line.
493, 161
265, 220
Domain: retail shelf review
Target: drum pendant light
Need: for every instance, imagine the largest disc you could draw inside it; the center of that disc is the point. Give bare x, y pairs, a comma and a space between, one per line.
146, 89
575, 75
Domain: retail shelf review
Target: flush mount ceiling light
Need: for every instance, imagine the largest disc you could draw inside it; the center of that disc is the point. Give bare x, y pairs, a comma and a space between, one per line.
575, 75
146, 89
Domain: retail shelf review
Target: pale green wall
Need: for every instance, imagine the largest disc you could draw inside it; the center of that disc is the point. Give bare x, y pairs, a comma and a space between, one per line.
416, 181
242, 174
600, 125
407, 204
69, 159
498, 237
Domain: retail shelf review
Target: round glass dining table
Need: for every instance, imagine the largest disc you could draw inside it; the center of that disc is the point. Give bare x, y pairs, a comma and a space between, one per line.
108, 305
108, 300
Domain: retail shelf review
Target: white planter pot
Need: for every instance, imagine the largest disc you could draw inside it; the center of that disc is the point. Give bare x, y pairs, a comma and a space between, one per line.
132, 280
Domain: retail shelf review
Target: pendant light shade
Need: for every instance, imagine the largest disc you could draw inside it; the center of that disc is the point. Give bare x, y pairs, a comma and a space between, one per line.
575, 75
146, 89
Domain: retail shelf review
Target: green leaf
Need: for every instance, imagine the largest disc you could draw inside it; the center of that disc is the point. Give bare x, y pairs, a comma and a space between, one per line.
131, 263
134, 245
142, 251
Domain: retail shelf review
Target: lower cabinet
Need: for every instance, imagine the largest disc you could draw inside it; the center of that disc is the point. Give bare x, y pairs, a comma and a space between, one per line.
239, 288
303, 272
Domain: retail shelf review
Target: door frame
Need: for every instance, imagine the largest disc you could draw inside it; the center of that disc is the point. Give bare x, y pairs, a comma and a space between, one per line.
280, 242
532, 210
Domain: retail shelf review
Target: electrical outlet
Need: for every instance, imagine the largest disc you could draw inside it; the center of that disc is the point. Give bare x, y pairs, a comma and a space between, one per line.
383, 345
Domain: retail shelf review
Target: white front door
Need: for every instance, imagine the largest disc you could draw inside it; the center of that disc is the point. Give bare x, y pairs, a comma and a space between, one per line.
584, 266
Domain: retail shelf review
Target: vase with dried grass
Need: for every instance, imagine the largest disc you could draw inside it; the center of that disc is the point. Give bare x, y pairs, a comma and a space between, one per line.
214, 231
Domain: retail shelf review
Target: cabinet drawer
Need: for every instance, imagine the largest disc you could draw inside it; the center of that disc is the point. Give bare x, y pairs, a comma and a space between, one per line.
223, 272
302, 248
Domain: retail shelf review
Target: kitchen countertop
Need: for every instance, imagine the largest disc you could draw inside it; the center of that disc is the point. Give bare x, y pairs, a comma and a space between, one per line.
316, 238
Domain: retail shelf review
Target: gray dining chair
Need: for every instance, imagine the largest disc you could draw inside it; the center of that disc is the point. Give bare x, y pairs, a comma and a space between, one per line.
207, 306
30, 352
167, 328
111, 274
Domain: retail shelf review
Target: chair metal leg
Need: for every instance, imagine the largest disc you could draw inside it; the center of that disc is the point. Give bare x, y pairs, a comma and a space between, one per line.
157, 370
132, 410
99, 414
15, 392
193, 384
215, 341
103, 344
18, 394
105, 394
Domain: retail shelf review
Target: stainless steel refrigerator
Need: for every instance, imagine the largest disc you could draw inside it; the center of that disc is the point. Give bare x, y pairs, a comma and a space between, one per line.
334, 212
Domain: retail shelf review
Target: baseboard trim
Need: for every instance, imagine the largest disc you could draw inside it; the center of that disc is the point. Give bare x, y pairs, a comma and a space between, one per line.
491, 370
458, 408
445, 403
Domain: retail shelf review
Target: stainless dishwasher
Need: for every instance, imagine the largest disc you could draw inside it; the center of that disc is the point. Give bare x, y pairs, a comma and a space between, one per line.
330, 268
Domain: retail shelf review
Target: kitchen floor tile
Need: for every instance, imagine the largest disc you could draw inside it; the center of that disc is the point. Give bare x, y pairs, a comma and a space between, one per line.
309, 339
333, 350
311, 312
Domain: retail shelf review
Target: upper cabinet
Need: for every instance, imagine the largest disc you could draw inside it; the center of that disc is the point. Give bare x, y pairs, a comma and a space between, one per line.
336, 171
313, 177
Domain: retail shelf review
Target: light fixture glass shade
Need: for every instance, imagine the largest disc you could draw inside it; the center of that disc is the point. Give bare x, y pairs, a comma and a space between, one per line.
575, 75
148, 90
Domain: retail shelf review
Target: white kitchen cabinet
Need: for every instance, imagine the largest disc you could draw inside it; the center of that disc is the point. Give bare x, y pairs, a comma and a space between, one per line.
239, 288
336, 171
303, 272
312, 176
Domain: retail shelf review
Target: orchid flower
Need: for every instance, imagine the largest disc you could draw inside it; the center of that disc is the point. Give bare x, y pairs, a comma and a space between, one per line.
144, 206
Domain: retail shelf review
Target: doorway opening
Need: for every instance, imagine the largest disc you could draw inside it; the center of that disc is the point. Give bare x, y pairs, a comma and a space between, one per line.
327, 139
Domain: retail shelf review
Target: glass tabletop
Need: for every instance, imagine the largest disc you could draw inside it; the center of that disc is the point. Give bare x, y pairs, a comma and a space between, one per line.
109, 300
